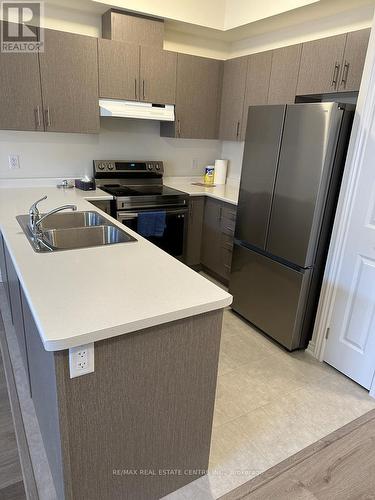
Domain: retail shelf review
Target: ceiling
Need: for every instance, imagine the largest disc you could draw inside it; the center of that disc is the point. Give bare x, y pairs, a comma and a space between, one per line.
244, 18
216, 14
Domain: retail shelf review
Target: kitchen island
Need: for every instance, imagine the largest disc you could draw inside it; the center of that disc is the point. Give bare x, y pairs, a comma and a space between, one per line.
139, 426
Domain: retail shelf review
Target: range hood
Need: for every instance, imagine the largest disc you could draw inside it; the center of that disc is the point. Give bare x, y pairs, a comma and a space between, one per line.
132, 109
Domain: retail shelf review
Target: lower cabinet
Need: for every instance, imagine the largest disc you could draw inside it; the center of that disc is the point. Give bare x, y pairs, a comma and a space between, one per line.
3, 268
217, 237
194, 231
16, 309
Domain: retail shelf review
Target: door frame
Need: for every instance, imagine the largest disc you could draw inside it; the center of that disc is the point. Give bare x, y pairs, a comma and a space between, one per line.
363, 120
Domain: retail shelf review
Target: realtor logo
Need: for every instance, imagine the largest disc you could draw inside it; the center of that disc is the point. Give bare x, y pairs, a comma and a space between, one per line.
21, 30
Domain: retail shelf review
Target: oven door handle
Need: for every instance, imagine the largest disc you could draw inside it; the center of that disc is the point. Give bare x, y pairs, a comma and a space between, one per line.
126, 215
134, 215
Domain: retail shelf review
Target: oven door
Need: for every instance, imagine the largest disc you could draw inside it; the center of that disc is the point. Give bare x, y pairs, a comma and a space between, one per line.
165, 227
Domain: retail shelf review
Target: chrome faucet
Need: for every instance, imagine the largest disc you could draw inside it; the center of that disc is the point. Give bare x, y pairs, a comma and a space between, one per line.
35, 219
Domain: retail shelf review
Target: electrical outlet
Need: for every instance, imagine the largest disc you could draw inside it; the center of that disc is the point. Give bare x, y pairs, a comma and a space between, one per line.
14, 161
81, 360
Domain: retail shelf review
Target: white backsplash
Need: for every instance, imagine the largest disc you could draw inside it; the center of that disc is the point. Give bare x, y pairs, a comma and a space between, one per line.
52, 155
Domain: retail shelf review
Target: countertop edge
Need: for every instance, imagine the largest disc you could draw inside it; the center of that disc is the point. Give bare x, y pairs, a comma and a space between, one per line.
87, 338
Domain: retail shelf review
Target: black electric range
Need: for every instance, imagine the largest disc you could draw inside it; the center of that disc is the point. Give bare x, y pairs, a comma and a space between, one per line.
143, 203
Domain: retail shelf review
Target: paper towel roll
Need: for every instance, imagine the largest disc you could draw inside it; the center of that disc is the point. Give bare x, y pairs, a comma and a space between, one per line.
221, 171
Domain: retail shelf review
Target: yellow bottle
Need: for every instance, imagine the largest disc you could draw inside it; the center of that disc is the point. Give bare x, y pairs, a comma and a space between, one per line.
209, 175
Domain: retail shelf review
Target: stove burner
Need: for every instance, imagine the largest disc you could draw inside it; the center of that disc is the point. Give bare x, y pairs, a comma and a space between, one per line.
150, 190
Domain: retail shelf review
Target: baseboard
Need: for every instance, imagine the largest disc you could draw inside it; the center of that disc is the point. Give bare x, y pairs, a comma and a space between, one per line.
311, 349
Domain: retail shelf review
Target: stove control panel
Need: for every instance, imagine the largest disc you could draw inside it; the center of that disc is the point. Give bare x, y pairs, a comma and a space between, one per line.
125, 167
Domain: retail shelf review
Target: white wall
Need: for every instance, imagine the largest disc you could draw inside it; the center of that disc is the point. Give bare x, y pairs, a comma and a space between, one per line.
207, 13
45, 154
233, 151
240, 12
311, 29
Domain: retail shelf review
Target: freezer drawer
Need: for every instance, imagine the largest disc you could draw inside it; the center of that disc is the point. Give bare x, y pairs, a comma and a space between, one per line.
270, 295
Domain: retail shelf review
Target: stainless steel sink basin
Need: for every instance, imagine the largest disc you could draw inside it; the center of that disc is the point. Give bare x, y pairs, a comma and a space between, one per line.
66, 220
83, 237
72, 230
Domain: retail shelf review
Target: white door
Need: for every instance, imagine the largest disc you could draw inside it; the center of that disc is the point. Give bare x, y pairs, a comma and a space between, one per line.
350, 346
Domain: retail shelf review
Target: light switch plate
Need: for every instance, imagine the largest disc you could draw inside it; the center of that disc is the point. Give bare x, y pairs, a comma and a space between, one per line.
14, 161
81, 360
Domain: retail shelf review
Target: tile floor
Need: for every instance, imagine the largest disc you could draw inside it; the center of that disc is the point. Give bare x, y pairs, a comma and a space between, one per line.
269, 405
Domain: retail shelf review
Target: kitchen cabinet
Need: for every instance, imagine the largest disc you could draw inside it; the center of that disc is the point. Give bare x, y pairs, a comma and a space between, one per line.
217, 237
3, 268
20, 92
232, 100
16, 309
118, 70
69, 77
158, 75
257, 84
131, 72
198, 95
320, 65
194, 231
284, 74
133, 28
354, 60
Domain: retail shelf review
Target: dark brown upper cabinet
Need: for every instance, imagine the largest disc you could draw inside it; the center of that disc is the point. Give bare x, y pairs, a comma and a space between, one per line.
232, 100
133, 28
354, 60
20, 92
257, 84
321, 65
158, 75
132, 72
69, 77
118, 70
284, 74
198, 95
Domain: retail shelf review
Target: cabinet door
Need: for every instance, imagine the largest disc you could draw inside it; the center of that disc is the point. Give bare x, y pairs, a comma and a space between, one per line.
194, 234
158, 75
69, 75
320, 65
232, 100
354, 60
211, 236
257, 84
118, 70
126, 27
284, 74
198, 97
3, 268
16, 309
20, 93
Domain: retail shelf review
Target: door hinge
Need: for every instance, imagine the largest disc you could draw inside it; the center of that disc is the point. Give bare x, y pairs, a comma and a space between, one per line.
327, 332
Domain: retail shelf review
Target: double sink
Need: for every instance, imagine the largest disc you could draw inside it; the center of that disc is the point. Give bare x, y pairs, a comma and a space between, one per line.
72, 230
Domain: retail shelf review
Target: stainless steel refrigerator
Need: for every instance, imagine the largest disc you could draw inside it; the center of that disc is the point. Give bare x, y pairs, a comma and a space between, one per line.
292, 167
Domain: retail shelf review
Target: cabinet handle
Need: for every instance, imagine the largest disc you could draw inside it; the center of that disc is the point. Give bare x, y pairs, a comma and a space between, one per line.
227, 266
220, 216
135, 88
335, 75
37, 117
345, 73
238, 129
143, 89
48, 117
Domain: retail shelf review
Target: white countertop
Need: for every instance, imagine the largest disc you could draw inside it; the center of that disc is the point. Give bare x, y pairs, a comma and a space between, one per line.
226, 192
86, 295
